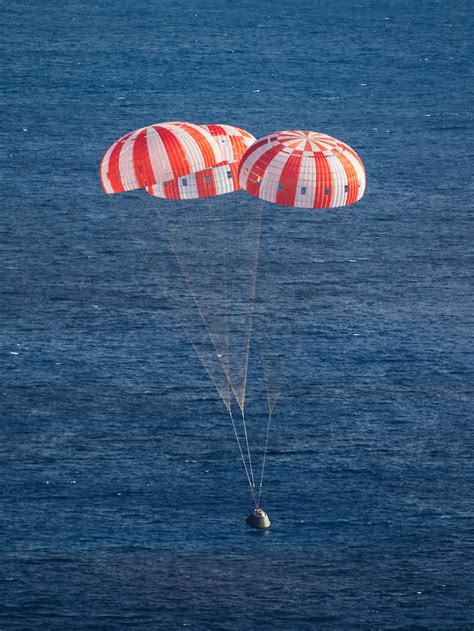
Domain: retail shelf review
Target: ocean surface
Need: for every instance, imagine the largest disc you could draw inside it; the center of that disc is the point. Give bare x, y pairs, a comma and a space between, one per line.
122, 495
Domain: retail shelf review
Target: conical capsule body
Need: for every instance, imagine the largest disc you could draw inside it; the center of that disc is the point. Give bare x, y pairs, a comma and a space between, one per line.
258, 519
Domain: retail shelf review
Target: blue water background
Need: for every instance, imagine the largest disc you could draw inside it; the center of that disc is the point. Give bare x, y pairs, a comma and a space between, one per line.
122, 496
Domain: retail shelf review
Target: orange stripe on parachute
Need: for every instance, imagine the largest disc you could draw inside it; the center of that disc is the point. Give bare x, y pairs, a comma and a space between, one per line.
113, 167
141, 161
351, 174
206, 149
206, 188
323, 182
289, 180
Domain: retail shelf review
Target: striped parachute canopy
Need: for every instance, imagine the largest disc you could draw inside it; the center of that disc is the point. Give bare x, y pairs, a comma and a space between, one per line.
176, 160
220, 178
303, 169
157, 153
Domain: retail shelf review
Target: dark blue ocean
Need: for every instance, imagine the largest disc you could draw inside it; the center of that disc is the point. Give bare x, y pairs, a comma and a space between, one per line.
122, 497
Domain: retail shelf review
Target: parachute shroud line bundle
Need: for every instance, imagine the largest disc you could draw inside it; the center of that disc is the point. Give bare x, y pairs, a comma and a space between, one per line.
211, 285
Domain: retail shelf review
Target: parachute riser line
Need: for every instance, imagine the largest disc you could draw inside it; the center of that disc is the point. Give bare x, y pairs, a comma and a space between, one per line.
248, 446
260, 487
171, 301
222, 353
249, 478
253, 294
218, 351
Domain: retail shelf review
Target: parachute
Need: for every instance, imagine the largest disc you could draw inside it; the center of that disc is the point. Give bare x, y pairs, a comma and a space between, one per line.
211, 279
176, 160
303, 169
218, 179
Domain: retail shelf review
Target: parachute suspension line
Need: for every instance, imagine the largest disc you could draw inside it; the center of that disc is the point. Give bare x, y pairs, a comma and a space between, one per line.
249, 248
224, 326
172, 302
249, 317
273, 390
231, 343
222, 356
249, 478
260, 486
227, 297
182, 267
248, 447
272, 396
252, 307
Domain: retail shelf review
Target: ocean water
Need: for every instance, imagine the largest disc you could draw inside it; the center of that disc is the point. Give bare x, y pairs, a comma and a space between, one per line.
122, 497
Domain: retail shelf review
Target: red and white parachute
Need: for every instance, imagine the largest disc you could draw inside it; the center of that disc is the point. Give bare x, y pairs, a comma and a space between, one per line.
176, 160
303, 169
220, 178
